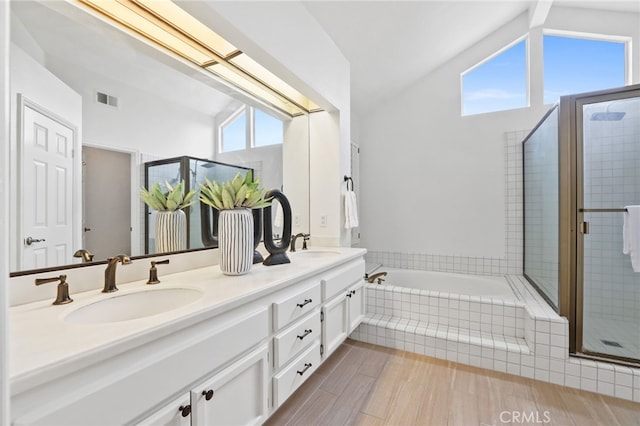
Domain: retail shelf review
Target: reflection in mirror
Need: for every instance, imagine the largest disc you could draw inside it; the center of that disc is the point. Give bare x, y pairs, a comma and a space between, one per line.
193, 172
92, 105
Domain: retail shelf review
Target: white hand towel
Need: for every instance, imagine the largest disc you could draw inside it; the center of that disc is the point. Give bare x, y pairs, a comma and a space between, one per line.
347, 210
350, 210
631, 236
353, 210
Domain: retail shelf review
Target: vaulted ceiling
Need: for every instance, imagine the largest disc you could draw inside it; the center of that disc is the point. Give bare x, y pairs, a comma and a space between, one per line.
391, 44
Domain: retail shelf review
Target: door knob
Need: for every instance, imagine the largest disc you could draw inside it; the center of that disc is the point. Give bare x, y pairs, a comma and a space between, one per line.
87, 229
31, 240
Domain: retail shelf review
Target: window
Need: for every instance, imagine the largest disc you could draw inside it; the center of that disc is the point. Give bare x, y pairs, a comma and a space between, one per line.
233, 132
268, 130
249, 128
499, 83
576, 65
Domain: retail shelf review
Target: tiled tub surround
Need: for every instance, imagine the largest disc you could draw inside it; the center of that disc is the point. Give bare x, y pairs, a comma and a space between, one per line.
523, 337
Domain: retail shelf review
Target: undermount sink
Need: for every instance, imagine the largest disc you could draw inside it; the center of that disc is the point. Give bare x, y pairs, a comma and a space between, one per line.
129, 306
315, 253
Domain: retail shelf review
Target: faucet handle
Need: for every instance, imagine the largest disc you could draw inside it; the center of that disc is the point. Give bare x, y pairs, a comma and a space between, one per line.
305, 238
153, 272
62, 297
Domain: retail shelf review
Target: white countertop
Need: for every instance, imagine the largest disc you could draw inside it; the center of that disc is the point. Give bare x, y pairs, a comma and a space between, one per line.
42, 343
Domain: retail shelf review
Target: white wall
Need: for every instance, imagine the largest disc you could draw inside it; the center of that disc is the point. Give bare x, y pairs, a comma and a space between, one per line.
4, 213
433, 181
143, 121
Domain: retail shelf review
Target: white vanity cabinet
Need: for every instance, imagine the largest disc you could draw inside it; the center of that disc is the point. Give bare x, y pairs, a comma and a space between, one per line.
175, 413
344, 306
238, 395
296, 341
122, 388
233, 362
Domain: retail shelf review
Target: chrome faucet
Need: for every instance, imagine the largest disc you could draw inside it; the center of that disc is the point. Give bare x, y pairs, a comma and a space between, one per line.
84, 254
377, 276
305, 238
110, 272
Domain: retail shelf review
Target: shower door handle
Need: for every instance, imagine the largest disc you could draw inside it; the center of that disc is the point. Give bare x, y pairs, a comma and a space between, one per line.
584, 228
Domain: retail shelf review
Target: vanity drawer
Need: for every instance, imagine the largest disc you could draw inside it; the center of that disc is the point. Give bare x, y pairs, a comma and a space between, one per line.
341, 278
295, 305
289, 379
296, 338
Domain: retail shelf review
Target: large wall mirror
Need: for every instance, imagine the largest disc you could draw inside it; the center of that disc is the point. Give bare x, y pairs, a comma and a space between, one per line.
90, 105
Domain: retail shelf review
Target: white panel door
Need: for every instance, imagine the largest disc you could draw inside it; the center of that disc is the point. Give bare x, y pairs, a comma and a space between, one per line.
46, 191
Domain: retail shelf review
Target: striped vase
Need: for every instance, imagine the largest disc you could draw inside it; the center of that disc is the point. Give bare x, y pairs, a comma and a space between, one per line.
235, 234
171, 231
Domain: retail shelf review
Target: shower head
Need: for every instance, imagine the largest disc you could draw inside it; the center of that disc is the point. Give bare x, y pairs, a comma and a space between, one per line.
207, 165
607, 116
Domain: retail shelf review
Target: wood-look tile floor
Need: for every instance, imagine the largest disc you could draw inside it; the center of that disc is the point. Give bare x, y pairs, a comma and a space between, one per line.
363, 384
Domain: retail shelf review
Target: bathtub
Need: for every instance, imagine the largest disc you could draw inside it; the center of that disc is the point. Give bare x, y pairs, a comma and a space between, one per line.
444, 282
442, 314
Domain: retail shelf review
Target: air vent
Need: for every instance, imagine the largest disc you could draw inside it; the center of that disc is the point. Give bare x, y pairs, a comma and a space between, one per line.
103, 98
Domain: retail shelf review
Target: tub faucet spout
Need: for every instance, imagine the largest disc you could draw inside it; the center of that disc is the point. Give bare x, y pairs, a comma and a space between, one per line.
377, 277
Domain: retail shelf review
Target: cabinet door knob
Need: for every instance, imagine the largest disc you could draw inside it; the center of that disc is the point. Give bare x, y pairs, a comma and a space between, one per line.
208, 394
185, 410
306, 301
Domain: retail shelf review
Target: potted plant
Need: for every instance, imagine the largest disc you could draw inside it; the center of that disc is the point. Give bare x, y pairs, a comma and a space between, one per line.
234, 200
171, 220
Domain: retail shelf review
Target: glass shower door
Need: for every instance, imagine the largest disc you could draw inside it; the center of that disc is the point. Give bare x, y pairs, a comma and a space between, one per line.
610, 292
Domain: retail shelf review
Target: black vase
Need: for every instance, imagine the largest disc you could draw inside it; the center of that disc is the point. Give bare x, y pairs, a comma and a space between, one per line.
277, 250
257, 233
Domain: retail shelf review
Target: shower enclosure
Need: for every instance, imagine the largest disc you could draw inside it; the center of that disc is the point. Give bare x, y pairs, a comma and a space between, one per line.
581, 170
193, 171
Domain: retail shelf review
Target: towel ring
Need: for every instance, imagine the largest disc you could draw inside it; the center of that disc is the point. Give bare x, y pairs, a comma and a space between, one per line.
349, 179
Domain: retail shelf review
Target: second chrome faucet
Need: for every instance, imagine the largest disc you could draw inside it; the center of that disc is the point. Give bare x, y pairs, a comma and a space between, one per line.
110, 272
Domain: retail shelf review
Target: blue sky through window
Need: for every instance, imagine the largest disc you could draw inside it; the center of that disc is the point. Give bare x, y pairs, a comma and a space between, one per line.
268, 130
234, 134
497, 84
576, 65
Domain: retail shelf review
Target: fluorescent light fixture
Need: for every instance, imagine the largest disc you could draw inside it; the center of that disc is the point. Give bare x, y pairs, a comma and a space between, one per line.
167, 25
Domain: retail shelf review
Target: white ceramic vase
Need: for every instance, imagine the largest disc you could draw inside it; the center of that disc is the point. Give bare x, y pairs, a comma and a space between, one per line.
235, 241
171, 231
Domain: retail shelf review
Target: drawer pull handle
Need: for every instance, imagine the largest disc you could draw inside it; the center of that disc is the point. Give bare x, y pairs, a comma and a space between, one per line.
306, 367
208, 394
306, 333
185, 410
306, 301
353, 292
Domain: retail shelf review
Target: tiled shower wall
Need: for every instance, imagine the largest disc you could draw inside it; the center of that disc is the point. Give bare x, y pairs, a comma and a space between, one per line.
612, 180
509, 264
